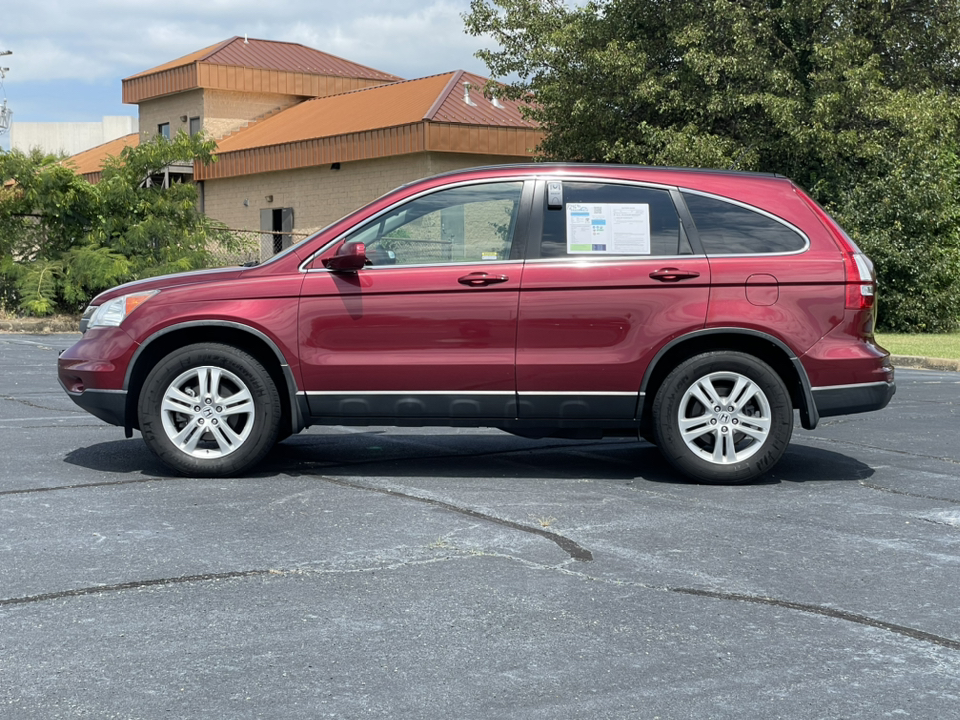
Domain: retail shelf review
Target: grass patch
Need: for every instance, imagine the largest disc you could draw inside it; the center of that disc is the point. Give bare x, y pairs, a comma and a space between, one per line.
944, 345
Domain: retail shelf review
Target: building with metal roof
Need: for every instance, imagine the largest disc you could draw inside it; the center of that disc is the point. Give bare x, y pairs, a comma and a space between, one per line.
305, 137
89, 163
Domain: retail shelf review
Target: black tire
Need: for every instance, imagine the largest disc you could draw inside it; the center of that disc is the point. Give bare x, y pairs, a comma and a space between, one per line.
723, 445
233, 423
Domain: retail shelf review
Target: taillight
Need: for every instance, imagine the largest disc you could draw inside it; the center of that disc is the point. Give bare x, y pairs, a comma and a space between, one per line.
859, 276
861, 281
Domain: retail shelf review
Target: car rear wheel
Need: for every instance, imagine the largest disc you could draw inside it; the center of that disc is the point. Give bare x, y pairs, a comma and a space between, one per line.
723, 417
209, 410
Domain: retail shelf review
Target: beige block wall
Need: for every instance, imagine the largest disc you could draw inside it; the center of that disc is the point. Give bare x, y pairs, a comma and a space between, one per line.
225, 111
169, 109
319, 195
220, 111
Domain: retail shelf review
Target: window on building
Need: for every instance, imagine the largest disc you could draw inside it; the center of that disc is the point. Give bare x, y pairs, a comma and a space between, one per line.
164, 130
194, 126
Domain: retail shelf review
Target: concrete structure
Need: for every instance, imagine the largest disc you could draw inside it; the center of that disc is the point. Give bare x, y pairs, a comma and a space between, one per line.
69, 138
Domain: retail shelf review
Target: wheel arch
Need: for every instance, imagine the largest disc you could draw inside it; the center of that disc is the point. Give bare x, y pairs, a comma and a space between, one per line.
238, 335
769, 349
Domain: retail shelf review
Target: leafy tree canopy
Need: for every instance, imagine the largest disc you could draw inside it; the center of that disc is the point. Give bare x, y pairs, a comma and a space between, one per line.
62, 239
858, 101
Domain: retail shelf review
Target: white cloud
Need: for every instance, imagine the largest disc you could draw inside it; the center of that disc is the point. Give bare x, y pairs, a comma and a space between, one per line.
70, 55
426, 40
109, 39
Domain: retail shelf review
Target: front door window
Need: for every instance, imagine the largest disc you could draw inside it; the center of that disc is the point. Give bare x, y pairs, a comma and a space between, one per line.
470, 224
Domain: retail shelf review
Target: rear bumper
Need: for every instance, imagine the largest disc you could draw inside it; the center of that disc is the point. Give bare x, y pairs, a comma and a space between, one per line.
849, 399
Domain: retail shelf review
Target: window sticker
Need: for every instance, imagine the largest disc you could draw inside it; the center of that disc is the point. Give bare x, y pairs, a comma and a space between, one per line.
608, 228
489, 255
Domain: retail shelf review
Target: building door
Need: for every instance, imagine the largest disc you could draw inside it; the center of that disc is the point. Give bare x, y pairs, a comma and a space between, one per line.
276, 228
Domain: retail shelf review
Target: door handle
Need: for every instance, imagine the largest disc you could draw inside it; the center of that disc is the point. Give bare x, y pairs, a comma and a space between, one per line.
479, 279
673, 274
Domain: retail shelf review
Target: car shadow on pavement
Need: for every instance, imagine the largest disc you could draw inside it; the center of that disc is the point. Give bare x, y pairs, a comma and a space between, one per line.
802, 463
378, 454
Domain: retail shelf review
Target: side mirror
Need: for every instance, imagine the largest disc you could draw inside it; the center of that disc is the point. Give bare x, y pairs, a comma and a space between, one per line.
350, 257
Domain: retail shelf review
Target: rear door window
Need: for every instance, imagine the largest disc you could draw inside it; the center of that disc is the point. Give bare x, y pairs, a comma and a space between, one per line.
726, 228
602, 220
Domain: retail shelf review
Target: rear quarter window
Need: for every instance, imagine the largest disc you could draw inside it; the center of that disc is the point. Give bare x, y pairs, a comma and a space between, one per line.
729, 229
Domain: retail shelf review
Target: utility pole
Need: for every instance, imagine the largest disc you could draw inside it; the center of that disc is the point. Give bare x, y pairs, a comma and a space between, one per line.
5, 112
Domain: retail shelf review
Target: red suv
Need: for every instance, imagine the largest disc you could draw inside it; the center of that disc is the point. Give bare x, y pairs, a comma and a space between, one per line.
696, 309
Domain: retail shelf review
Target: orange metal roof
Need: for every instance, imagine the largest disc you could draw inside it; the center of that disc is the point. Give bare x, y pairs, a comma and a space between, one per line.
452, 106
273, 55
91, 161
185, 60
438, 98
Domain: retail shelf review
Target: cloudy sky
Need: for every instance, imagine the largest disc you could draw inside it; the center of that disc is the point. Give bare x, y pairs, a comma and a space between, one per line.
69, 56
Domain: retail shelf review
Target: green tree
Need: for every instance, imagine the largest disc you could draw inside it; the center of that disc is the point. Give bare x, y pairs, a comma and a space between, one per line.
856, 100
62, 239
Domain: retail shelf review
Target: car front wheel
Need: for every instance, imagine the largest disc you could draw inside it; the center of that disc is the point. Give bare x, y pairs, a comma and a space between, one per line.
723, 417
209, 410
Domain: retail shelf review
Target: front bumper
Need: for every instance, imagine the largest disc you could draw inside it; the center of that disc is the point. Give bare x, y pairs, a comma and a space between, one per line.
108, 405
93, 373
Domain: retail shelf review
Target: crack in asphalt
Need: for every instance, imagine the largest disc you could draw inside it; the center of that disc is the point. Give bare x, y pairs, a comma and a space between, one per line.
27, 403
953, 461
826, 612
573, 549
805, 608
133, 585
892, 491
78, 486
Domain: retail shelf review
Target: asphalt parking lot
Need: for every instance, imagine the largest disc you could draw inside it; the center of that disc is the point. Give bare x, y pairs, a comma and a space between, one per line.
437, 573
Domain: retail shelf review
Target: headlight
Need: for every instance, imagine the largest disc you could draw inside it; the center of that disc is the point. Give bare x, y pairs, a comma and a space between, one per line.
115, 311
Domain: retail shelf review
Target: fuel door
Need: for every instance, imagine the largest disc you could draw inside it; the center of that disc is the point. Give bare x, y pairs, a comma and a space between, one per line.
762, 290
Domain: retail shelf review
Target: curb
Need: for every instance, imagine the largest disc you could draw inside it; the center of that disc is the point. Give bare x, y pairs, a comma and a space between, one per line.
925, 363
41, 326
